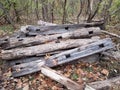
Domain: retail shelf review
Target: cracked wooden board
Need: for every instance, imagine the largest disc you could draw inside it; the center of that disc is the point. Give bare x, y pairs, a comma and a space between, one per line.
63, 57
48, 47
39, 39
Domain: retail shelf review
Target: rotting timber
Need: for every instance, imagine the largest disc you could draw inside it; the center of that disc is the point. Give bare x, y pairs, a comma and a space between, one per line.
38, 48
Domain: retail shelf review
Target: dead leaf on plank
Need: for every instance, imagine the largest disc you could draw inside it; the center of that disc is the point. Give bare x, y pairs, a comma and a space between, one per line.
105, 72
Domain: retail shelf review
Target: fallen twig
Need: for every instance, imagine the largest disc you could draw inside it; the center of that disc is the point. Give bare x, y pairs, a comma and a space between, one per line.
112, 34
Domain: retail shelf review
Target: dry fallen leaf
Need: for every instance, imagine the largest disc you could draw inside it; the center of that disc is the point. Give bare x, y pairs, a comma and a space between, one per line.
25, 86
19, 84
105, 72
80, 81
7, 74
67, 74
55, 88
47, 56
90, 75
79, 71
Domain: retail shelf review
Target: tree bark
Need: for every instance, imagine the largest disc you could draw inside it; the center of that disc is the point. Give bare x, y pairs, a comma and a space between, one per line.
91, 12
81, 8
7, 15
44, 10
52, 11
64, 12
36, 9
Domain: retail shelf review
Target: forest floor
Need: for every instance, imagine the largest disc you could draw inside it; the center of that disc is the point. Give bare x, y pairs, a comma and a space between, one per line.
80, 72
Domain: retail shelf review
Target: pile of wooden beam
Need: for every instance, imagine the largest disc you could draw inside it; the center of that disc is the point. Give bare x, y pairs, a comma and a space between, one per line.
36, 48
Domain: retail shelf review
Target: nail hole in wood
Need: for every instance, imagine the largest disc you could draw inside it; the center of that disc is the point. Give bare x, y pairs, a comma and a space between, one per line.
18, 36
17, 63
21, 67
37, 29
57, 41
66, 28
67, 56
6, 40
90, 32
101, 45
20, 39
60, 37
27, 29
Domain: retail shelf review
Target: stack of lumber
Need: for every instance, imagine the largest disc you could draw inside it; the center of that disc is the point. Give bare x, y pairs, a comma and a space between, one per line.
37, 48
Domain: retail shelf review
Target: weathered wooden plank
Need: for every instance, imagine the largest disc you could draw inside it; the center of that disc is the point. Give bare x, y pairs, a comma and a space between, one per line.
80, 52
3, 41
109, 84
85, 32
87, 87
71, 85
112, 54
35, 30
64, 57
11, 63
48, 47
35, 60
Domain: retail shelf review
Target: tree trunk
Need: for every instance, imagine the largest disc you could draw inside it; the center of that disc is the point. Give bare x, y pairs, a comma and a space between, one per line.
111, 84
52, 11
92, 12
44, 10
7, 15
64, 12
81, 8
36, 9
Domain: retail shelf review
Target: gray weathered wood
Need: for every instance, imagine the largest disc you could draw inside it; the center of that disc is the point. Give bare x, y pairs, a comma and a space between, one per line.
48, 47
35, 30
64, 57
35, 60
87, 87
85, 32
11, 63
71, 85
110, 84
23, 62
80, 52
112, 34
112, 54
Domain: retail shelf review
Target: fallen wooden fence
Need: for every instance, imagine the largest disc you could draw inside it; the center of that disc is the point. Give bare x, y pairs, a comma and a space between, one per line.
63, 57
37, 48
